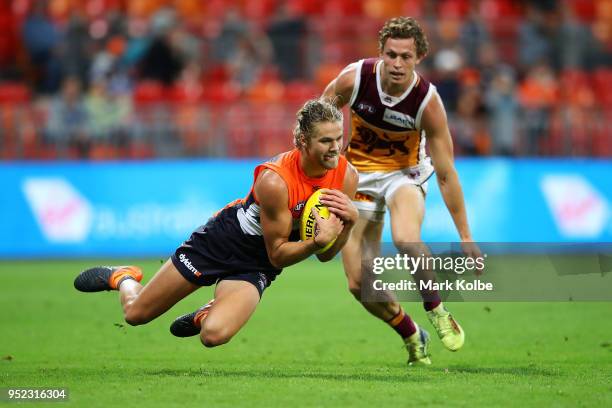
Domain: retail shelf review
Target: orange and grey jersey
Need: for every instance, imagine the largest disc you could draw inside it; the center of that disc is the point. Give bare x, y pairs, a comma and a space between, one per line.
299, 186
386, 132
232, 240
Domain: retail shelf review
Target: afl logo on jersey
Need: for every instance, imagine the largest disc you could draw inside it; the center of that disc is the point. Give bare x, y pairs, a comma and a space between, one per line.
366, 108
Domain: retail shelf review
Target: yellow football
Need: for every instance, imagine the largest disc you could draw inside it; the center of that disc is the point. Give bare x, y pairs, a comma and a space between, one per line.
308, 225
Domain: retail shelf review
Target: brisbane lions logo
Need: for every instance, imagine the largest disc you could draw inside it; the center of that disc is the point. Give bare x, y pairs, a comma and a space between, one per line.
369, 141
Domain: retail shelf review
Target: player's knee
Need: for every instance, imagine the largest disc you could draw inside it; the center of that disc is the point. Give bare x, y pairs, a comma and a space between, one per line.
409, 244
213, 336
135, 316
355, 288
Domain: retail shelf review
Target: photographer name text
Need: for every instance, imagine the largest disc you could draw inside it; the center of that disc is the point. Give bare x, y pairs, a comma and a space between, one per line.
459, 284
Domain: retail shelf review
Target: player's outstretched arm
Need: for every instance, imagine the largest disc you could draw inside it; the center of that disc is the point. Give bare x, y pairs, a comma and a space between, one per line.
340, 203
435, 124
276, 222
340, 89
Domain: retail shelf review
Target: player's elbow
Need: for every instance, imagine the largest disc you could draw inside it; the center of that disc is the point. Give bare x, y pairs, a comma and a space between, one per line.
326, 256
275, 261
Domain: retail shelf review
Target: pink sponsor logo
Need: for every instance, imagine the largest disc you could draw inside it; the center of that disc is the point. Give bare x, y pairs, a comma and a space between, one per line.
578, 209
62, 214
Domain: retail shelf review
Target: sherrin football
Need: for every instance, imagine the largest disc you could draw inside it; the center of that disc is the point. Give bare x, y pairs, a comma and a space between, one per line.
308, 225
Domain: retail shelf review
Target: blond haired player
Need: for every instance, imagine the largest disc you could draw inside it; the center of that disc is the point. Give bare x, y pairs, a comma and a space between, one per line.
394, 111
245, 246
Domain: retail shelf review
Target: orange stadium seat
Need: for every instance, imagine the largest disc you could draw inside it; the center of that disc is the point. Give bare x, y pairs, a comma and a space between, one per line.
221, 92
297, 92
238, 123
580, 91
259, 10
602, 78
14, 93
308, 8
266, 92
149, 92
325, 73
384, 9
342, 8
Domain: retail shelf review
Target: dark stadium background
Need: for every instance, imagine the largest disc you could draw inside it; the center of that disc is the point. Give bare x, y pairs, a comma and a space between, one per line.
219, 78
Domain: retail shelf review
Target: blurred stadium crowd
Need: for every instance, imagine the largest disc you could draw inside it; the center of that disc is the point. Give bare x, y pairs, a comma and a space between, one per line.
105, 79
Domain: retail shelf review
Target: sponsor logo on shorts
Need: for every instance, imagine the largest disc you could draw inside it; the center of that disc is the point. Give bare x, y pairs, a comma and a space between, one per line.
399, 119
185, 261
262, 281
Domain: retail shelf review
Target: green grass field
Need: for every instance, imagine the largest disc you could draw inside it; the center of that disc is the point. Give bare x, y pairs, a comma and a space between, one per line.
308, 344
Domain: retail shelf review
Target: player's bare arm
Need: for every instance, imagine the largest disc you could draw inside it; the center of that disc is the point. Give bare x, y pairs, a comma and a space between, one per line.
340, 89
276, 222
340, 204
441, 149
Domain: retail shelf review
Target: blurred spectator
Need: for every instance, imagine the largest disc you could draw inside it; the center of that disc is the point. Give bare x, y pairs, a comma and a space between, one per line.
447, 64
245, 50
162, 61
552, 34
488, 64
533, 44
67, 122
234, 29
286, 32
470, 135
503, 108
538, 95
75, 48
474, 34
540, 67
41, 39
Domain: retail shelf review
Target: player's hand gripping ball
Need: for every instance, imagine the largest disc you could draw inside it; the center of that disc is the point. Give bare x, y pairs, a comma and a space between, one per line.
308, 225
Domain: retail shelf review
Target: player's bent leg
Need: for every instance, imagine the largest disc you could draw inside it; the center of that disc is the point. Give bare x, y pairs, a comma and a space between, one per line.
190, 324
364, 243
234, 303
141, 304
407, 208
363, 246
100, 278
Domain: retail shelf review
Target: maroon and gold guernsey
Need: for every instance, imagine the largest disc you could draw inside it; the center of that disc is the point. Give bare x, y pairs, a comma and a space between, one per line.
386, 132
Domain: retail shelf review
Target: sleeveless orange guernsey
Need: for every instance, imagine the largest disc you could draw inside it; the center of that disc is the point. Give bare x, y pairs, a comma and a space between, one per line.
232, 240
299, 187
